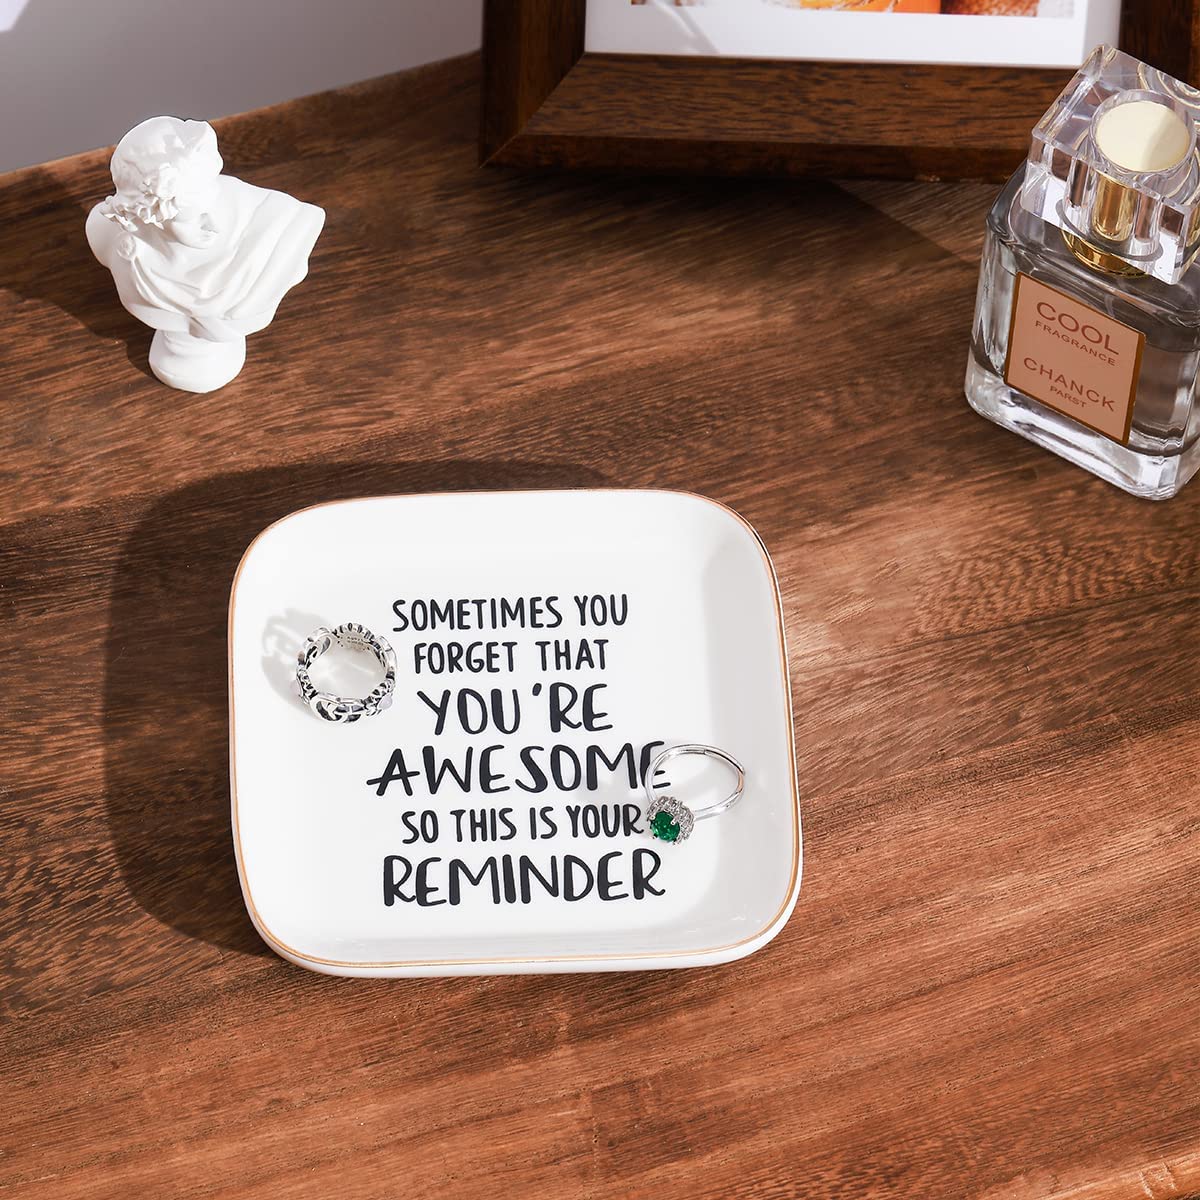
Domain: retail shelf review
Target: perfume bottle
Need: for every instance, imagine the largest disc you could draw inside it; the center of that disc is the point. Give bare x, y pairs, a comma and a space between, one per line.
1087, 320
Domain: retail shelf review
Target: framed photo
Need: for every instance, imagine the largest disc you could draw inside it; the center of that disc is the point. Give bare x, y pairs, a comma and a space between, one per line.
901, 88
982, 33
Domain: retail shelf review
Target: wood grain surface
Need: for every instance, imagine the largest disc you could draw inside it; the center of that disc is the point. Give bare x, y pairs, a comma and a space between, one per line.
989, 987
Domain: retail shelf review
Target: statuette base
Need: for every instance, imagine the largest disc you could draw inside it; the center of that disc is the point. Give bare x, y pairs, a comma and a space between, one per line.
194, 364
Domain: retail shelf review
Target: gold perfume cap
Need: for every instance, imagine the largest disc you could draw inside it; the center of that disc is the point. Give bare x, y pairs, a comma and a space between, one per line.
1114, 164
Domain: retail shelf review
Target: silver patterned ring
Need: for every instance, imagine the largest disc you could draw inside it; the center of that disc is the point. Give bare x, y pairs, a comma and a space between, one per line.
344, 709
670, 819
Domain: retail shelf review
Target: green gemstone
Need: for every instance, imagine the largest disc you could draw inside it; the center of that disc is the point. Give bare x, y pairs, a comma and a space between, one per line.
664, 826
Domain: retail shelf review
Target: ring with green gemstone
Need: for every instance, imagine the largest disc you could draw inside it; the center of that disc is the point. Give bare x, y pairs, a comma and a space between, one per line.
671, 820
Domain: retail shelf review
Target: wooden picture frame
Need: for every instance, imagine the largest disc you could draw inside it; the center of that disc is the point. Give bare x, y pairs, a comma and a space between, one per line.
546, 103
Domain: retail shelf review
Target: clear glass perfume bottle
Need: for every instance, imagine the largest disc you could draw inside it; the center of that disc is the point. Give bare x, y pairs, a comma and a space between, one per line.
1087, 321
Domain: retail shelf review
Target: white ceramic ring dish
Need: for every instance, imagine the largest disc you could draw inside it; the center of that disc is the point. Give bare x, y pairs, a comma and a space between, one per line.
548, 646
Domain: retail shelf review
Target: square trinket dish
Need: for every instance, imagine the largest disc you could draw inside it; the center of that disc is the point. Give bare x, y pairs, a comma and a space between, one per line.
491, 818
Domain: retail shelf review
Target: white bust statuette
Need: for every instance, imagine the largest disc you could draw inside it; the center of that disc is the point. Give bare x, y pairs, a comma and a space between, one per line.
200, 257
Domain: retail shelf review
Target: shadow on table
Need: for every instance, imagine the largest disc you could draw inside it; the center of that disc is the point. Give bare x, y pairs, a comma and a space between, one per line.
58, 266
165, 699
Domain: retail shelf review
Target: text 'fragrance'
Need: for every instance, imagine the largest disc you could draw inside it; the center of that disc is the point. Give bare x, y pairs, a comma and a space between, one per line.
1087, 322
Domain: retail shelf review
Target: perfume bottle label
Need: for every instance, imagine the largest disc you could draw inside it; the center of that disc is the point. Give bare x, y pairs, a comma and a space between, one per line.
1073, 359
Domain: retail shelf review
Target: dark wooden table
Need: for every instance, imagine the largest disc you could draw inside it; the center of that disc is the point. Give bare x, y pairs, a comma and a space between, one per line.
989, 987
